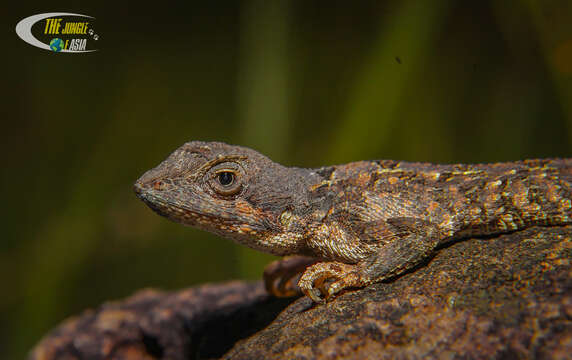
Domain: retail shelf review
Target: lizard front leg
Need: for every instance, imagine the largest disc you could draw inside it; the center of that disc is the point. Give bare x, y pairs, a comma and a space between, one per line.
413, 241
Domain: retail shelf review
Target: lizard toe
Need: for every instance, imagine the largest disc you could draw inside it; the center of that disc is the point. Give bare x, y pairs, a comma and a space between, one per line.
317, 280
315, 294
352, 279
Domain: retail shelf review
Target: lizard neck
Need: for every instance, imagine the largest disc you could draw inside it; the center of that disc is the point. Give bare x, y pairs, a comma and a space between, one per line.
283, 210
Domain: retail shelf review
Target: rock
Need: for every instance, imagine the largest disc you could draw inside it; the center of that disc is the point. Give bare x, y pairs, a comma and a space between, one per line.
201, 322
508, 296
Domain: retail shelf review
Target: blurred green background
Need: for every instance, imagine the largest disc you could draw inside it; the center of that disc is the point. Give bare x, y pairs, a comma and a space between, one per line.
307, 83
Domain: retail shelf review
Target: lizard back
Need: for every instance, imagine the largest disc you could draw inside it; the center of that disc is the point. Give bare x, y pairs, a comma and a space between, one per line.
462, 200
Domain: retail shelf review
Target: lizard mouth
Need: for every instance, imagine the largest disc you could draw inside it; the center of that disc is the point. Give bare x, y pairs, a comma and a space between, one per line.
198, 213
157, 203
173, 211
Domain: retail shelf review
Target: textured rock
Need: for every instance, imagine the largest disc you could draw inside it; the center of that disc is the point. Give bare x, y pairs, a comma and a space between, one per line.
201, 322
503, 297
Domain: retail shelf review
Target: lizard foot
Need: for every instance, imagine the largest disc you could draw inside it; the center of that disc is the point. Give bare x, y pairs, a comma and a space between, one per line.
281, 276
323, 280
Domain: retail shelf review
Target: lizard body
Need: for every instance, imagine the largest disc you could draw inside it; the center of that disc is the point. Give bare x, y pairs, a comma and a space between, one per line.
355, 224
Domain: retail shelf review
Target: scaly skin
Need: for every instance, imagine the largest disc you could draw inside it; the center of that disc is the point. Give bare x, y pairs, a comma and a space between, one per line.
355, 224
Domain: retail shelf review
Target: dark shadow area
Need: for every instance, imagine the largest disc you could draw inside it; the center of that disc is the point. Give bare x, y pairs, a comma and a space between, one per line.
221, 333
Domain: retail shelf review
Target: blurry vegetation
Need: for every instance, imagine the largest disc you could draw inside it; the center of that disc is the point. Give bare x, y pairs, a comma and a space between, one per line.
307, 83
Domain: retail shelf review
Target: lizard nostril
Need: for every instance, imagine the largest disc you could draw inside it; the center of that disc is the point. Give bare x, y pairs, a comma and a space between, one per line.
158, 185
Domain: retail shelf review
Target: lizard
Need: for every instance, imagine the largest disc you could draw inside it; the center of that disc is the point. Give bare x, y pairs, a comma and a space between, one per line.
348, 226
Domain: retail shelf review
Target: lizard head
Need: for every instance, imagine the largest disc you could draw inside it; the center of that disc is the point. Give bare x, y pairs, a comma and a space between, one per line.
231, 191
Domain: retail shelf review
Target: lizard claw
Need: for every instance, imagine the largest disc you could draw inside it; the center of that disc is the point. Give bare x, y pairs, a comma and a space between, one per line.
351, 279
323, 280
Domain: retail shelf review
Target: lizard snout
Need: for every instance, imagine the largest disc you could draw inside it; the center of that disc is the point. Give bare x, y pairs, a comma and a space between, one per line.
142, 188
151, 180
138, 188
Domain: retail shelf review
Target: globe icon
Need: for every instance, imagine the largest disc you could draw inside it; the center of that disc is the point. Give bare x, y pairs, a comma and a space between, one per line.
56, 44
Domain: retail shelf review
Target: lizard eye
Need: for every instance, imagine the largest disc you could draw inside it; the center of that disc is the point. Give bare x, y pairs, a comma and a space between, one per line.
225, 178
226, 182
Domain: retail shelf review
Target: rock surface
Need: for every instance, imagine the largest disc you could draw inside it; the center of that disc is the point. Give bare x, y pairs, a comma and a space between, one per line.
503, 297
